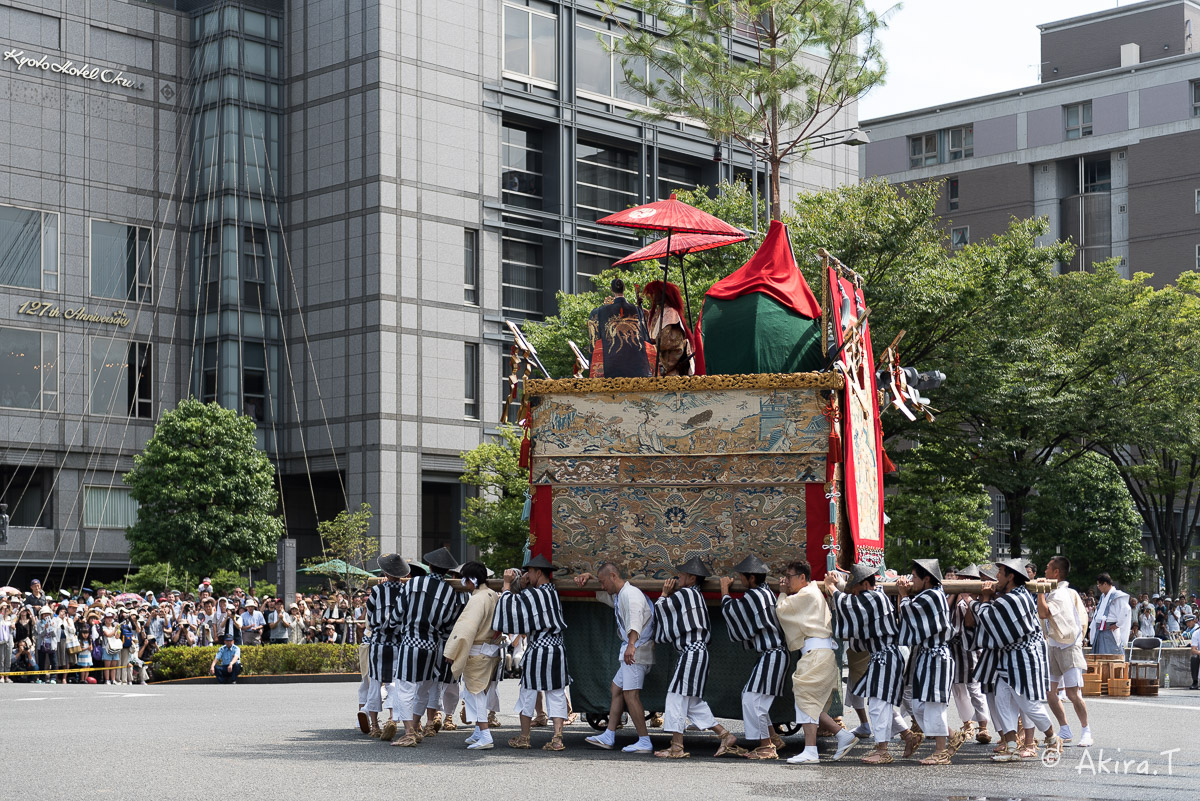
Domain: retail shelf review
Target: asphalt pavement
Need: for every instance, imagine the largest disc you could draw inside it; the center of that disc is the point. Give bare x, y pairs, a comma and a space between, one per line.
300, 742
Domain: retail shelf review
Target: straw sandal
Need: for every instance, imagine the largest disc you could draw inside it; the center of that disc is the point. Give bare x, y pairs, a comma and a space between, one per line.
520, 741
407, 741
1002, 747
555, 744
730, 747
878, 758
541, 720
387, 731
674, 752
655, 721
955, 742
374, 732
1005, 754
983, 736
912, 741
1028, 752
449, 725
430, 730
493, 720
937, 758
777, 741
364, 722
462, 713
763, 752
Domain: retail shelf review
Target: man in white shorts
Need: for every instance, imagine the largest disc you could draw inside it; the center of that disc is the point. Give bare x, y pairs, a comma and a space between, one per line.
635, 625
1063, 619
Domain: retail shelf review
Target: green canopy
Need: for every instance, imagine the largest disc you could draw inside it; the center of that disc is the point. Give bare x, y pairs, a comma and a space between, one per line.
758, 334
337, 567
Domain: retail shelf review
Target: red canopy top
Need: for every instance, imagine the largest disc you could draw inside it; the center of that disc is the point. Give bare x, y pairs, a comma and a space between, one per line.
681, 244
771, 270
671, 215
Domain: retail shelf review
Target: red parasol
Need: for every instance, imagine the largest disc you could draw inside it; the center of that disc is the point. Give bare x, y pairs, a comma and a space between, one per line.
673, 216
680, 245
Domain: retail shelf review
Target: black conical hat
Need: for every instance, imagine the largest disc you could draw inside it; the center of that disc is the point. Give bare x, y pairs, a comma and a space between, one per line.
442, 559
393, 564
694, 567
540, 562
931, 567
1017, 566
970, 572
987, 572
751, 565
860, 572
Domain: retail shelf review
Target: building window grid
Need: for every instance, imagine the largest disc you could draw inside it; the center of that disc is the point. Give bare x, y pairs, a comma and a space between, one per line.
108, 507
28, 369
960, 237
530, 45
952, 194
521, 170
471, 266
961, 142
1198, 201
121, 378
254, 267
471, 380
521, 267
28, 236
923, 150
600, 70
1198, 257
1078, 119
607, 180
1196, 98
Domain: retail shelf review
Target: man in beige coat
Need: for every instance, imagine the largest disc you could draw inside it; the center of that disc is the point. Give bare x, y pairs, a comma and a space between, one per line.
804, 614
473, 648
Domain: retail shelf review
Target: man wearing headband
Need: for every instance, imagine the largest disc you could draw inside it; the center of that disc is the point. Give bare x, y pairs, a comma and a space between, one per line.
1064, 618
382, 646
925, 628
864, 620
682, 620
1009, 622
808, 626
473, 651
536, 613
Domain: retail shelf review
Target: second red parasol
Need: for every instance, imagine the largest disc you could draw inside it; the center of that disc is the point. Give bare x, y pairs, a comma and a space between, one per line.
680, 245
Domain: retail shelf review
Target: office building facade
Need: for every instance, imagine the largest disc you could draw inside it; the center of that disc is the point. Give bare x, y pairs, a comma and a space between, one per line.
1103, 147
318, 213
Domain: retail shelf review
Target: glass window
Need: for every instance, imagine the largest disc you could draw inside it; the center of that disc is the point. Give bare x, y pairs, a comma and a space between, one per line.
28, 369
254, 266
471, 380
1198, 201
521, 268
521, 173
121, 381
922, 150
28, 248
121, 261
230, 52
208, 374
254, 24
109, 507
590, 261
471, 266
962, 142
256, 92
952, 194
673, 175
593, 64
960, 237
1078, 119
254, 381
607, 180
530, 44
255, 56
27, 491
1097, 174
1196, 98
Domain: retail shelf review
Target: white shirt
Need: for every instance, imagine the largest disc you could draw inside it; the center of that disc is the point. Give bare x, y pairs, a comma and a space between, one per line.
1113, 609
1064, 627
1196, 637
633, 612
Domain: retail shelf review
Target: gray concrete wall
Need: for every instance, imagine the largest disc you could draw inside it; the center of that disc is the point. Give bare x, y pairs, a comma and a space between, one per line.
1164, 228
1092, 46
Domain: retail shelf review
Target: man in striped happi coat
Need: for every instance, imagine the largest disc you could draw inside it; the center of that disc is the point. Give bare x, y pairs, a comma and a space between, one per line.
1009, 623
681, 619
537, 613
968, 696
987, 662
444, 694
425, 611
925, 628
384, 641
752, 621
864, 618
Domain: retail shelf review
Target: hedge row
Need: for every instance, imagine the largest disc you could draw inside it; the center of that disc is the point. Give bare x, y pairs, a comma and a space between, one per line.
182, 663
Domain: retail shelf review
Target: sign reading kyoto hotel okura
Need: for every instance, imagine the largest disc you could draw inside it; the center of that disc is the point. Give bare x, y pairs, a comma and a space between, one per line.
85, 72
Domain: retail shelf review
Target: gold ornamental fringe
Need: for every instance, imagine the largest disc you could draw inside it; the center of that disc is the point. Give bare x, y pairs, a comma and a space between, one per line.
683, 383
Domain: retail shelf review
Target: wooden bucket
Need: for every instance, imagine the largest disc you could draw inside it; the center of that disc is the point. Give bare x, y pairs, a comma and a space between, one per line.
1091, 684
1118, 687
1143, 687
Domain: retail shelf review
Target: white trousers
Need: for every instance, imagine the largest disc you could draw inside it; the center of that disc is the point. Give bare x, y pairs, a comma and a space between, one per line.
681, 708
493, 697
802, 717
364, 690
968, 698
886, 722
373, 701
556, 703
410, 698
450, 696
477, 704
756, 715
855, 701
931, 717
1011, 704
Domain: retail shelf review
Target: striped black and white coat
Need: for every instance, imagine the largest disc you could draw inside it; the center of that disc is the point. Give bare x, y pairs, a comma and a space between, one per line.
681, 619
752, 621
963, 653
925, 628
425, 611
867, 622
1010, 625
385, 636
536, 613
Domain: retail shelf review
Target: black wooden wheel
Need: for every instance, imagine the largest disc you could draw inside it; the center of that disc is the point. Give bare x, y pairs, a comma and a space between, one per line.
596, 720
787, 729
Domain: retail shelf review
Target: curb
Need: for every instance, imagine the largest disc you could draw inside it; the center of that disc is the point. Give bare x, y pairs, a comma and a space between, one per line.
269, 678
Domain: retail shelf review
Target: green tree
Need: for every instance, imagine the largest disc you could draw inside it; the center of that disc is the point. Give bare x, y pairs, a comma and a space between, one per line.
492, 519
803, 63
1085, 510
346, 538
206, 494
156, 577
938, 510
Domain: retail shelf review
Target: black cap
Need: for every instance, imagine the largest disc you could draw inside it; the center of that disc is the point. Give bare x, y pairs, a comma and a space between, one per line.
968, 572
541, 563
694, 567
751, 565
441, 559
393, 564
931, 567
860, 572
1017, 566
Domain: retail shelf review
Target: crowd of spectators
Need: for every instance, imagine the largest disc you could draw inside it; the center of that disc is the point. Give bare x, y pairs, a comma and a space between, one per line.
73, 635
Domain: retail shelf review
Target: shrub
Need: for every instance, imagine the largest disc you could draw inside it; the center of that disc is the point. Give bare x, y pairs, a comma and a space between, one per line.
182, 663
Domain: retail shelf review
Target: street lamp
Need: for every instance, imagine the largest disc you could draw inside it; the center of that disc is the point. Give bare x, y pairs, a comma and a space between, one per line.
845, 136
